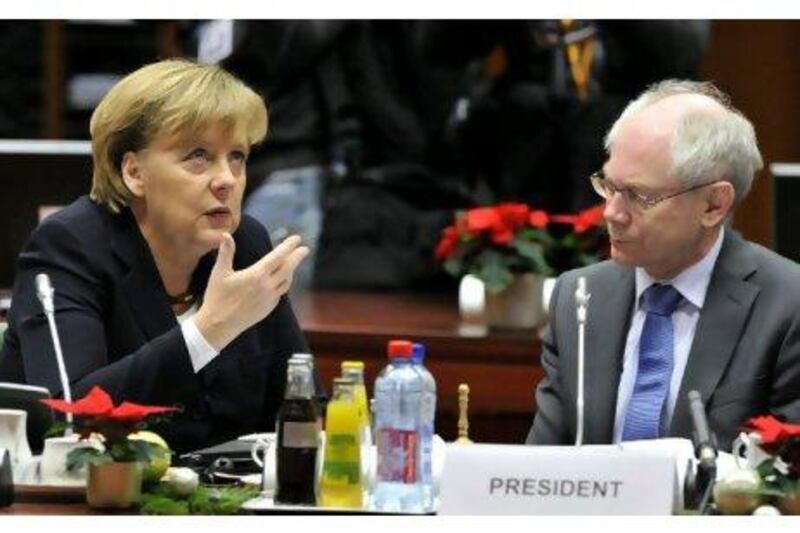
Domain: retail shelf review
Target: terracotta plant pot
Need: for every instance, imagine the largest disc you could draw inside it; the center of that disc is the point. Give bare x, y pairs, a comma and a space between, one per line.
790, 504
519, 306
114, 485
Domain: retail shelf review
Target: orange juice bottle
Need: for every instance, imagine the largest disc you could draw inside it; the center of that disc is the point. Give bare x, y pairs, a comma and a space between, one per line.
355, 371
342, 482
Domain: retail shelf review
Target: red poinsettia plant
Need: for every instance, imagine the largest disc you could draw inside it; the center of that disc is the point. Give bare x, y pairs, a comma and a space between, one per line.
96, 414
781, 440
498, 242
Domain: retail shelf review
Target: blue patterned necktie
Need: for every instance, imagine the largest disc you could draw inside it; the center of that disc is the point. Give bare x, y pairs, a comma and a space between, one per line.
643, 419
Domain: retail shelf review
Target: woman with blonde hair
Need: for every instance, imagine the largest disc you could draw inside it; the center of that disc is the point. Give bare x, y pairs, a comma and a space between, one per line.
164, 293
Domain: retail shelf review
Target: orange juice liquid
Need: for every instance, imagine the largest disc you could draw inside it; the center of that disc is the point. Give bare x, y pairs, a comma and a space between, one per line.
361, 405
341, 484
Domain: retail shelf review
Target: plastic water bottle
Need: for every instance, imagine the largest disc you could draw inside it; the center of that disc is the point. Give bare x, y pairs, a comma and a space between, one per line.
398, 395
427, 416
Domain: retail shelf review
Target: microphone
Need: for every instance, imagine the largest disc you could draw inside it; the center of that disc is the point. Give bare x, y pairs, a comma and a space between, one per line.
581, 303
705, 449
705, 442
45, 292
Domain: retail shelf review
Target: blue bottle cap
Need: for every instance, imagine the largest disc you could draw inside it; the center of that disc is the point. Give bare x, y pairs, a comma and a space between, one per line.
419, 353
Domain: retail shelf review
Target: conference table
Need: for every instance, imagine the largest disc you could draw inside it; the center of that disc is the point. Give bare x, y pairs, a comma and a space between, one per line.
501, 368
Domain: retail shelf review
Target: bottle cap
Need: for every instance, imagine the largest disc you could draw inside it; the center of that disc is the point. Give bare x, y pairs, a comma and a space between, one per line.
400, 349
343, 381
352, 365
419, 352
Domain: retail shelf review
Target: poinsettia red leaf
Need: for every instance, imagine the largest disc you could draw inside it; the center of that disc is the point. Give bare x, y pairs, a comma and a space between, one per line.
538, 219
462, 226
513, 215
96, 403
772, 430
482, 219
503, 236
564, 219
589, 218
131, 412
448, 244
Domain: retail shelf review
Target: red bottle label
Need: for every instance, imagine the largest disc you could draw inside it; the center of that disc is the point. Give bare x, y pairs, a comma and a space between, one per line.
397, 455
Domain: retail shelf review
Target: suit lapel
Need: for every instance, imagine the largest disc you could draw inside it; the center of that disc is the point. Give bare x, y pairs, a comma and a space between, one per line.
725, 311
607, 327
141, 283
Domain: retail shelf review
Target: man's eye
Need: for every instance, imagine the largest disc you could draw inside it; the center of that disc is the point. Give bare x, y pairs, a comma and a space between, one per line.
635, 195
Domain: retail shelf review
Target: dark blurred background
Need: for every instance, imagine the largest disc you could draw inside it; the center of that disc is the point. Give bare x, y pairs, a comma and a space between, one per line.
379, 130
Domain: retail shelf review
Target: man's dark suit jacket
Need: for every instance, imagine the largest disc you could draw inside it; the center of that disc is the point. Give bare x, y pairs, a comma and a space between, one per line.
118, 330
744, 360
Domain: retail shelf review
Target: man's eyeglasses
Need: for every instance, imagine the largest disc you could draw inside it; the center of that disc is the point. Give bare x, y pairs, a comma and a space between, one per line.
606, 189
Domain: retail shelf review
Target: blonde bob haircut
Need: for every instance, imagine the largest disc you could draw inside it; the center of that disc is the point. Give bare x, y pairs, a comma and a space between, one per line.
173, 97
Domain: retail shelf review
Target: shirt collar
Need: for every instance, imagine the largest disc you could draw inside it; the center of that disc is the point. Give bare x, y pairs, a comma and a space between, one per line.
692, 282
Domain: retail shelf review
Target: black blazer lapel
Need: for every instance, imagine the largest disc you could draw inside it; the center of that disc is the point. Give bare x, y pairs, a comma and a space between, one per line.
608, 320
721, 323
141, 283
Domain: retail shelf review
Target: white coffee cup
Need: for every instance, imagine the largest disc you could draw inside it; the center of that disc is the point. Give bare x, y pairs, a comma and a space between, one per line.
263, 453
747, 452
14, 438
53, 467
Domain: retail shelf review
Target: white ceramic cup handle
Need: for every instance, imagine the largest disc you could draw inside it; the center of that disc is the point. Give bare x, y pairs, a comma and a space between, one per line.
739, 450
259, 445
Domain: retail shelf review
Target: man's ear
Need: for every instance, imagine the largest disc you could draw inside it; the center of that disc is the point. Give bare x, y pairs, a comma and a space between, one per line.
719, 203
132, 174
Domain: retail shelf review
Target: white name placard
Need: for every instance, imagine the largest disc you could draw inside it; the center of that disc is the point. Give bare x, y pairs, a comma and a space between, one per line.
524, 480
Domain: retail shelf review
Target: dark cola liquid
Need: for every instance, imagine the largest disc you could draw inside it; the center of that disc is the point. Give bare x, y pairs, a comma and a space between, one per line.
298, 443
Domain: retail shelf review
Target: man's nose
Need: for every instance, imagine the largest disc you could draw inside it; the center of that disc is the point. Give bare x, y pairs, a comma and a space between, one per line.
616, 210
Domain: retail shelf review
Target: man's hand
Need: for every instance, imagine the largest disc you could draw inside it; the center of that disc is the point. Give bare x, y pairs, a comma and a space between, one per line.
235, 300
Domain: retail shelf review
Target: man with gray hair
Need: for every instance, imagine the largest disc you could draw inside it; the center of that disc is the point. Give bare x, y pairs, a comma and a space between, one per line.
684, 303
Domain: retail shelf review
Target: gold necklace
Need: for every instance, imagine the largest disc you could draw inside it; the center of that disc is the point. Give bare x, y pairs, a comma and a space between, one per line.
181, 299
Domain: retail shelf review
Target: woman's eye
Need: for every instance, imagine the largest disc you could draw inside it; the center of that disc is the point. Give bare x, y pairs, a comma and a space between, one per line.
239, 156
198, 153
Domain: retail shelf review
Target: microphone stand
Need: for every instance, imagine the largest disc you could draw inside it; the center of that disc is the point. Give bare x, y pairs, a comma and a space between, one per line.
705, 451
45, 292
581, 303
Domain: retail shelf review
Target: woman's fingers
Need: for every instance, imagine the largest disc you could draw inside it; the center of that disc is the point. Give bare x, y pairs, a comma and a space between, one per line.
285, 272
225, 251
273, 260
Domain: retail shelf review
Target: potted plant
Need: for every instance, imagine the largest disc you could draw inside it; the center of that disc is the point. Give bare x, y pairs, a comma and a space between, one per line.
781, 471
771, 449
512, 248
114, 461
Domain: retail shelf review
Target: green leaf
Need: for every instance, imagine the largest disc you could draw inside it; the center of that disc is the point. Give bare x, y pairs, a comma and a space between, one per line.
82, 457
534, 253
454, 266
490, 267
536, 235
220, 501
145, 451
57, 429
765, 467
159, 504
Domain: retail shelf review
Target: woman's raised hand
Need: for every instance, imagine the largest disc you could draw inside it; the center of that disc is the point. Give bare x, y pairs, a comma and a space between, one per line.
235, 300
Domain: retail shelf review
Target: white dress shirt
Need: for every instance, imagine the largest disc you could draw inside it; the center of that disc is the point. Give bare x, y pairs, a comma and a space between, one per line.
200, 351
692, 283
